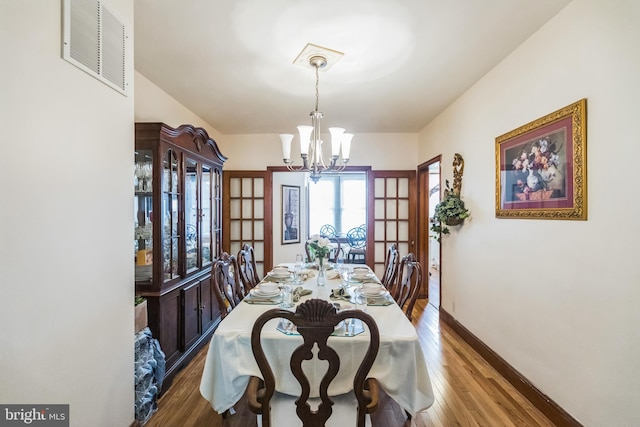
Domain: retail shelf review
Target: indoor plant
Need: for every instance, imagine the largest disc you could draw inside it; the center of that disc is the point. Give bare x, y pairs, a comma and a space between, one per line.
450, 211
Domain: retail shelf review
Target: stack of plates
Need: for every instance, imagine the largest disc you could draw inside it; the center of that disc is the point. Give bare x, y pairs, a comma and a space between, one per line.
360, 276
373, 292
275, 275
264, 294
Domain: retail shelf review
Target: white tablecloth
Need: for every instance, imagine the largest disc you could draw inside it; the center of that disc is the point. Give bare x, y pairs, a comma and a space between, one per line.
399, 366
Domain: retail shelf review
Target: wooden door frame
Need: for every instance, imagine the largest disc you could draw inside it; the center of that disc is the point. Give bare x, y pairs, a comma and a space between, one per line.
423, 225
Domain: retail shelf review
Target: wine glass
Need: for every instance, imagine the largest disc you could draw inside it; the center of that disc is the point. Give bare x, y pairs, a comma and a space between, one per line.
139, 175
298, 268
147, 173
342, 270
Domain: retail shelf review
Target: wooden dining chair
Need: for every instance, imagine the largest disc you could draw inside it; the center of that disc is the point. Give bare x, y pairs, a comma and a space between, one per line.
391, 263
407, 287
248, 271
315, 320
228, 287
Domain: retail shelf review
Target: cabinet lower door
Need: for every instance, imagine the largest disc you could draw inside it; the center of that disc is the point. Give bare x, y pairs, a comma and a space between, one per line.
170, 308
210, 312
191, 301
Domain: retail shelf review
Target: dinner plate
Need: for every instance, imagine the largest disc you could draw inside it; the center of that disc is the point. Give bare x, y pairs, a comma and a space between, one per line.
362, 276
278, 276
259, 293
373, 292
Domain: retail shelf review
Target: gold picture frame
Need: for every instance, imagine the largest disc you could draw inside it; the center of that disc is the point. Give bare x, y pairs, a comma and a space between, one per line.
541, 167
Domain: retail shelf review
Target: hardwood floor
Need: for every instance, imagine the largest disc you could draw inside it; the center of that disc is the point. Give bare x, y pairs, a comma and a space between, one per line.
468, 392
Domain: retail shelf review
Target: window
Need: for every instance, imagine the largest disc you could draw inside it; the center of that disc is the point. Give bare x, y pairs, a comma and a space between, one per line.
339, 200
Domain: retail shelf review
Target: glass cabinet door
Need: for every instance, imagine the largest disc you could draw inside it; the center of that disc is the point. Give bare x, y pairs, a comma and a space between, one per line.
170, 202
217, 212
191, 214
207, 207
142, 211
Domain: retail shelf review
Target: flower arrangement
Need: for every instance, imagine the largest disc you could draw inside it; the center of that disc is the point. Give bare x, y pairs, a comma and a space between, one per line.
319, 246
537, 172
450, 211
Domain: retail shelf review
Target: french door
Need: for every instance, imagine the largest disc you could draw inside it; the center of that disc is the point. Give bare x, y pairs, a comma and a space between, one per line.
248, 214
392, 211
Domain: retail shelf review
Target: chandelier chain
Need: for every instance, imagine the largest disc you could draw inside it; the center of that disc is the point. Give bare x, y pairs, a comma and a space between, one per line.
317, 87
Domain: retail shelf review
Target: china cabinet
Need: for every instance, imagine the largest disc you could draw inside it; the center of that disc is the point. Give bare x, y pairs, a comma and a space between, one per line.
178, 235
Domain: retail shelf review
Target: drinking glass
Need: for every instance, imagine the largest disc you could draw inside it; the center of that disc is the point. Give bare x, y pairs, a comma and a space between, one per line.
287, 296
360, 300
344, 277
339, 261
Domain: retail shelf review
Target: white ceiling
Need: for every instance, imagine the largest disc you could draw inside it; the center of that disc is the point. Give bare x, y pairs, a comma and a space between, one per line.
231, 61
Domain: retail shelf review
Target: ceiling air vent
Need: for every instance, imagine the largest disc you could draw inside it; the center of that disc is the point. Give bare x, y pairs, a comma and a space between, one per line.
96, 41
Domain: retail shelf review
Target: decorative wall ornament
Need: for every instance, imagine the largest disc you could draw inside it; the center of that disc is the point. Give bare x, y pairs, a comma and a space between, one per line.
458, 170
451, 210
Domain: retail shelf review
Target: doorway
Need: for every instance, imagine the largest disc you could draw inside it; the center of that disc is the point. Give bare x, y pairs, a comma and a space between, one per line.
429, 254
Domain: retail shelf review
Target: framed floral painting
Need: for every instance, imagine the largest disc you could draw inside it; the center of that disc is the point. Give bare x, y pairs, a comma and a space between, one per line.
541, 167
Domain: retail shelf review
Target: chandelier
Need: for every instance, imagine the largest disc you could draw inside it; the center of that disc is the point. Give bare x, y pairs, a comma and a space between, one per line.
311, 144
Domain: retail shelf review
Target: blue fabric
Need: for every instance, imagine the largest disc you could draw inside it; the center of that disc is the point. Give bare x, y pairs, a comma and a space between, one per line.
149, 371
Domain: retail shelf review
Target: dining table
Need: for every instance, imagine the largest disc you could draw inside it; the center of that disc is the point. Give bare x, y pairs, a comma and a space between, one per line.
399, 367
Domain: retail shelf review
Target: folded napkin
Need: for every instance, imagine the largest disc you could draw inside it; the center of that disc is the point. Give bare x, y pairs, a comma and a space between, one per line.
300, 292
385, 299
340, 293
314, 266
332, 274
306, 273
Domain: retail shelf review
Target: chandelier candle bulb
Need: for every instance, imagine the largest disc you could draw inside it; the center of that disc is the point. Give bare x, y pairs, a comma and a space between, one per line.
336, 141
305, 138
346, 146
286, 139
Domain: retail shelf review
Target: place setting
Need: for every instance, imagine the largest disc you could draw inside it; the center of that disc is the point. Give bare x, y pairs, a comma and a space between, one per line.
264, 293
374, 293
361, 275
280, 273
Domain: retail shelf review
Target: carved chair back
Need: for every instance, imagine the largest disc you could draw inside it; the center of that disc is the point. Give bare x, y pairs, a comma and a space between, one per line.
391, 263
315, 320
247, 267
408, 284
227, 287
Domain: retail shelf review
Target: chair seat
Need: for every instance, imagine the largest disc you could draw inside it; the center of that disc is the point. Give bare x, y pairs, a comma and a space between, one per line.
356, 255
283, 409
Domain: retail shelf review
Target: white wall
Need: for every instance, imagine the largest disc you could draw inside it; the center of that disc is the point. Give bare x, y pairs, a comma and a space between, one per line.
287, 253
152, 104
557, 299
66, 266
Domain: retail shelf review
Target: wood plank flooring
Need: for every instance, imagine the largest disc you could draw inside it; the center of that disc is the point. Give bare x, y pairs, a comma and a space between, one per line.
468, 392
